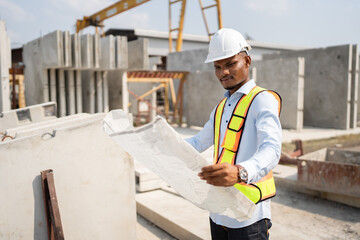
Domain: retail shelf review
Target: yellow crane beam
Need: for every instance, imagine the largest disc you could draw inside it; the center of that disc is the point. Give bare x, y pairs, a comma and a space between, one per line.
97, 19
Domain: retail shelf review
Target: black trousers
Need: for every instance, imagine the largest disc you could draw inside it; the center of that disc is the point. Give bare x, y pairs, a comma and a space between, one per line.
258, 230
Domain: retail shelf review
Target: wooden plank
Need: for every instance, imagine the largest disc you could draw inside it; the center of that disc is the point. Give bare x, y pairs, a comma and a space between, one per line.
54, 226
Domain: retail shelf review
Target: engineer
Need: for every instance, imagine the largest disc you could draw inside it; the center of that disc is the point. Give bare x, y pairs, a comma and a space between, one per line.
246, 133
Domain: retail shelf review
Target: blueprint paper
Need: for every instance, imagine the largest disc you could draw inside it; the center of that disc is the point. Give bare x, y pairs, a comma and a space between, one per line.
162, 150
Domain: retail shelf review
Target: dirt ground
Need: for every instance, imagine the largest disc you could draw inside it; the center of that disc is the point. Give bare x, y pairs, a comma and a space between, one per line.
299, 216
347, 141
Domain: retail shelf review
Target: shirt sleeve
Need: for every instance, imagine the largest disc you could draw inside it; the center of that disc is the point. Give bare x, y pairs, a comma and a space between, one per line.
269, 137
205, 138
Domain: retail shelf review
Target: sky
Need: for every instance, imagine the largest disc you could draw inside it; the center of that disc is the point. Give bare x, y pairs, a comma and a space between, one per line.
303, 23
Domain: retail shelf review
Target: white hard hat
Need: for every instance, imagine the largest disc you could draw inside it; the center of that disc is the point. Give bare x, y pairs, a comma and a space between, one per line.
226, 43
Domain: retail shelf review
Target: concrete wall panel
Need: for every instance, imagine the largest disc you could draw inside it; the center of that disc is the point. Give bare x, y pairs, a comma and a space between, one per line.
138, 56
202, 93
94, 185
327, 85
121, 48
67, 49
191, 60
76, 50
87, 52
286, 77
107, 52
5, 64
52, 50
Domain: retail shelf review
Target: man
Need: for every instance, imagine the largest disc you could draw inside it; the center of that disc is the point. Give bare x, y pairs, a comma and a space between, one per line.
246, 133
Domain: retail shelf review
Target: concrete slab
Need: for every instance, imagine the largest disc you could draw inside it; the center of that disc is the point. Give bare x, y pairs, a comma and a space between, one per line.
61, 92
286, 77
138, 56
105, 91
67, 49
76, 50
174, 214
27, 115
97, 50
190, 60
52, 50
121, 49
330, 67
70, 92
5, 64
108, 52
354, 101
87, 51
100, 176
198, 114
99, 92
115, 89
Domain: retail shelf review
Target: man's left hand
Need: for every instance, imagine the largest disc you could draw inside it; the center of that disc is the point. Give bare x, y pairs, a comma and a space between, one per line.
222, 174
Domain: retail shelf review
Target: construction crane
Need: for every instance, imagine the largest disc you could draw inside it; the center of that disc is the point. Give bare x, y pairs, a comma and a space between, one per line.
98, 18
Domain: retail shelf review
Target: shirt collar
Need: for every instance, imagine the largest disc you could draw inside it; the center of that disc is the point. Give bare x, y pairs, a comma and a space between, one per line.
245, 89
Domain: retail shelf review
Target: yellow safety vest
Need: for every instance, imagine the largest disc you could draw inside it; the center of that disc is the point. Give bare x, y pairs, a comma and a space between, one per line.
263, 189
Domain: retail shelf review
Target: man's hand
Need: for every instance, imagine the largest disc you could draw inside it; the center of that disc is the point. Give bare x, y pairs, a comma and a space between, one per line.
222, 174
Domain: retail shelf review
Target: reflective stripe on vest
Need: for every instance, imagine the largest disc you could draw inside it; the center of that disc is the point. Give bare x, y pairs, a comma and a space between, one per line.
263, 189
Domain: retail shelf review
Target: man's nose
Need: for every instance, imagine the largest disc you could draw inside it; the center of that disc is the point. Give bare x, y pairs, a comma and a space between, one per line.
224, 72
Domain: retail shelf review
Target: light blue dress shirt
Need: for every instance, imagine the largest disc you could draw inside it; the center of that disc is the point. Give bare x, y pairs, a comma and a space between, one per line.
260, 146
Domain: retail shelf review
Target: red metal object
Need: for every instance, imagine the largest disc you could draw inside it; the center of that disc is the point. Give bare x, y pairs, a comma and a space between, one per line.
330, 177
155, 74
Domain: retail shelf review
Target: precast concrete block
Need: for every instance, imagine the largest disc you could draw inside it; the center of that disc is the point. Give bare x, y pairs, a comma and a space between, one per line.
108, 52
286, 77
199, 104
327, 92
76, 50
121, 49
138, 55
67, 49
87, 51
52, 50
354, 87
27, 115
190, 60
91, 175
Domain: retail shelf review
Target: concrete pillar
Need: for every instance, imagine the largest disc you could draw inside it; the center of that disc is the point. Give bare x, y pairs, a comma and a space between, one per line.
153, 103
99, 92
71, 92
125, 93
79, 108
52, 76
106, 91
45, 87
354, 87
62, 94
88, 91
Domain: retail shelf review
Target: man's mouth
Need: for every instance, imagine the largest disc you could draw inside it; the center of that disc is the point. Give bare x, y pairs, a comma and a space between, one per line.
224, 79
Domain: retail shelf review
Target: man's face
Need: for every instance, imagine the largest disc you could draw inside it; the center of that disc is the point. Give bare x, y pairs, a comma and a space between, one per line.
233, 72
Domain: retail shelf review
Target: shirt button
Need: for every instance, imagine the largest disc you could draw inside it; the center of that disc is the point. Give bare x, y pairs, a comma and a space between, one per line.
226, 121
229, 104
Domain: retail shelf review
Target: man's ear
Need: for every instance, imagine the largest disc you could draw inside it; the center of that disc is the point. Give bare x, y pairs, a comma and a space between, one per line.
247, 60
